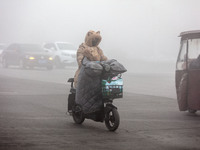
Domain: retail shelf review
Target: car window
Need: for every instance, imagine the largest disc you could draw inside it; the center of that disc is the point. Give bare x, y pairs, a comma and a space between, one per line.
12, 47
31, 48
66, 46
2, 47
50, 46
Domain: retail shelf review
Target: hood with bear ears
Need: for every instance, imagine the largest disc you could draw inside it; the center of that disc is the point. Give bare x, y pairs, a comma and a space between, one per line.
92, 38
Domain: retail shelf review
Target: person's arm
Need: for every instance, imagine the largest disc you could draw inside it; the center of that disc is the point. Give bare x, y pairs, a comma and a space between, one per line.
80, 55
103, 57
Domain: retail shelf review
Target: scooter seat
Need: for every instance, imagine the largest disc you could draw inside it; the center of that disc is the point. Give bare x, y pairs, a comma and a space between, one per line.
70, 80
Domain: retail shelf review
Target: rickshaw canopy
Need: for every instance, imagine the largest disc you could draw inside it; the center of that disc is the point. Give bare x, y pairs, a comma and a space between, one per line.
190, 34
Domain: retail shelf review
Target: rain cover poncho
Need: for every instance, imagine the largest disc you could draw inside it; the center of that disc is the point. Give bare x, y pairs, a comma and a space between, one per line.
88, 91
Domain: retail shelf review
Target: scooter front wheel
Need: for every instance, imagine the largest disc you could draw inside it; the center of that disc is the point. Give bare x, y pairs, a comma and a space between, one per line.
77, 115
112, 119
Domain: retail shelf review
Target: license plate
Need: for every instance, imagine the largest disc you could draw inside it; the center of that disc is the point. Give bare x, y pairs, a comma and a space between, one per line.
41, 61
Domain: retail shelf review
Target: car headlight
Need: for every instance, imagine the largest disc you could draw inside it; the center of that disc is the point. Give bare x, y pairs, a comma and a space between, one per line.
50, 58
31, 58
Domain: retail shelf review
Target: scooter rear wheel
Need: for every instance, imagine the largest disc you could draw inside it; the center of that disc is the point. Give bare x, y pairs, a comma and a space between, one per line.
77, 115
192, 111
112, 119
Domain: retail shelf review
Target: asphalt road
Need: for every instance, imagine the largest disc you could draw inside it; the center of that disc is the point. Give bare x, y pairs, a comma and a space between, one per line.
33, 106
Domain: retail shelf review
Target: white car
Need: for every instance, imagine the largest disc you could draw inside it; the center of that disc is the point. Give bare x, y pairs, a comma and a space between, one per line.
64, 53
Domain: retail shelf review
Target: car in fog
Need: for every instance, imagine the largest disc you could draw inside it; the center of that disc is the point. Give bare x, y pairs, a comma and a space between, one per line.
2, 47
26, 56
64, 53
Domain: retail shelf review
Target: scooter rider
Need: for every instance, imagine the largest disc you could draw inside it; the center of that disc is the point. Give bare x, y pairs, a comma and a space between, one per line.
89, 49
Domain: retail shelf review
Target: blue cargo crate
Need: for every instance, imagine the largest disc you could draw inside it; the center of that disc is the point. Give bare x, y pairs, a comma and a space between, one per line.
112, 88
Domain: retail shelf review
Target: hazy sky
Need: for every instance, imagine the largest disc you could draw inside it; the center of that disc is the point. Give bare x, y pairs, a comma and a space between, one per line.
131, 29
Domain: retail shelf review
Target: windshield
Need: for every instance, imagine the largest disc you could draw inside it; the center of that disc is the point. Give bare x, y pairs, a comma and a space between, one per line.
194, 48
66, 46
181, 62
31, 48
193, 53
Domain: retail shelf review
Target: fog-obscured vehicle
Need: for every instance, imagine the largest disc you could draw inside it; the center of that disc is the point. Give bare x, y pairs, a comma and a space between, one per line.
2, 47
64, 53
26, 56
188, 72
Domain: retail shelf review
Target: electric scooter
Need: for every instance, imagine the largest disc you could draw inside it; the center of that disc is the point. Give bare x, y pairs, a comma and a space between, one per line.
112, 88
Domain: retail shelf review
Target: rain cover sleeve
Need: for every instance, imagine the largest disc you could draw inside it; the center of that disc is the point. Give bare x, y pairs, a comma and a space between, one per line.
88, 91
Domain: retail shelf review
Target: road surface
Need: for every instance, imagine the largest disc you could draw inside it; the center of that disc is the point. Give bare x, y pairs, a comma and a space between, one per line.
33, 106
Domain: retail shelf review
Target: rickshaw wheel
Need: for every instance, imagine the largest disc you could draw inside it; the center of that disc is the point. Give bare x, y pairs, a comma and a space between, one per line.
77, 115
192, 111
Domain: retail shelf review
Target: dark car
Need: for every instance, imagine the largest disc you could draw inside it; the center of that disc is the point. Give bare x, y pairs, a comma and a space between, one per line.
26, 56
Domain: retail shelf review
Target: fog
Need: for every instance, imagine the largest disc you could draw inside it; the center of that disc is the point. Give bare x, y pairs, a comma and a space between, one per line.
142, 34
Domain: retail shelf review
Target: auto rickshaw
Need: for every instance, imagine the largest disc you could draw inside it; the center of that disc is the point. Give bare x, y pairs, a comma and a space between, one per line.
188, 72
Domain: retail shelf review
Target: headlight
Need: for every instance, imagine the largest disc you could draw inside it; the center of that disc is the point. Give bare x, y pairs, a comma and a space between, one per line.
50, 58
31, 58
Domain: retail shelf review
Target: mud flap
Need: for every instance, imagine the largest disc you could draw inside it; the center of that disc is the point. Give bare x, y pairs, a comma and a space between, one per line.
71, 101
